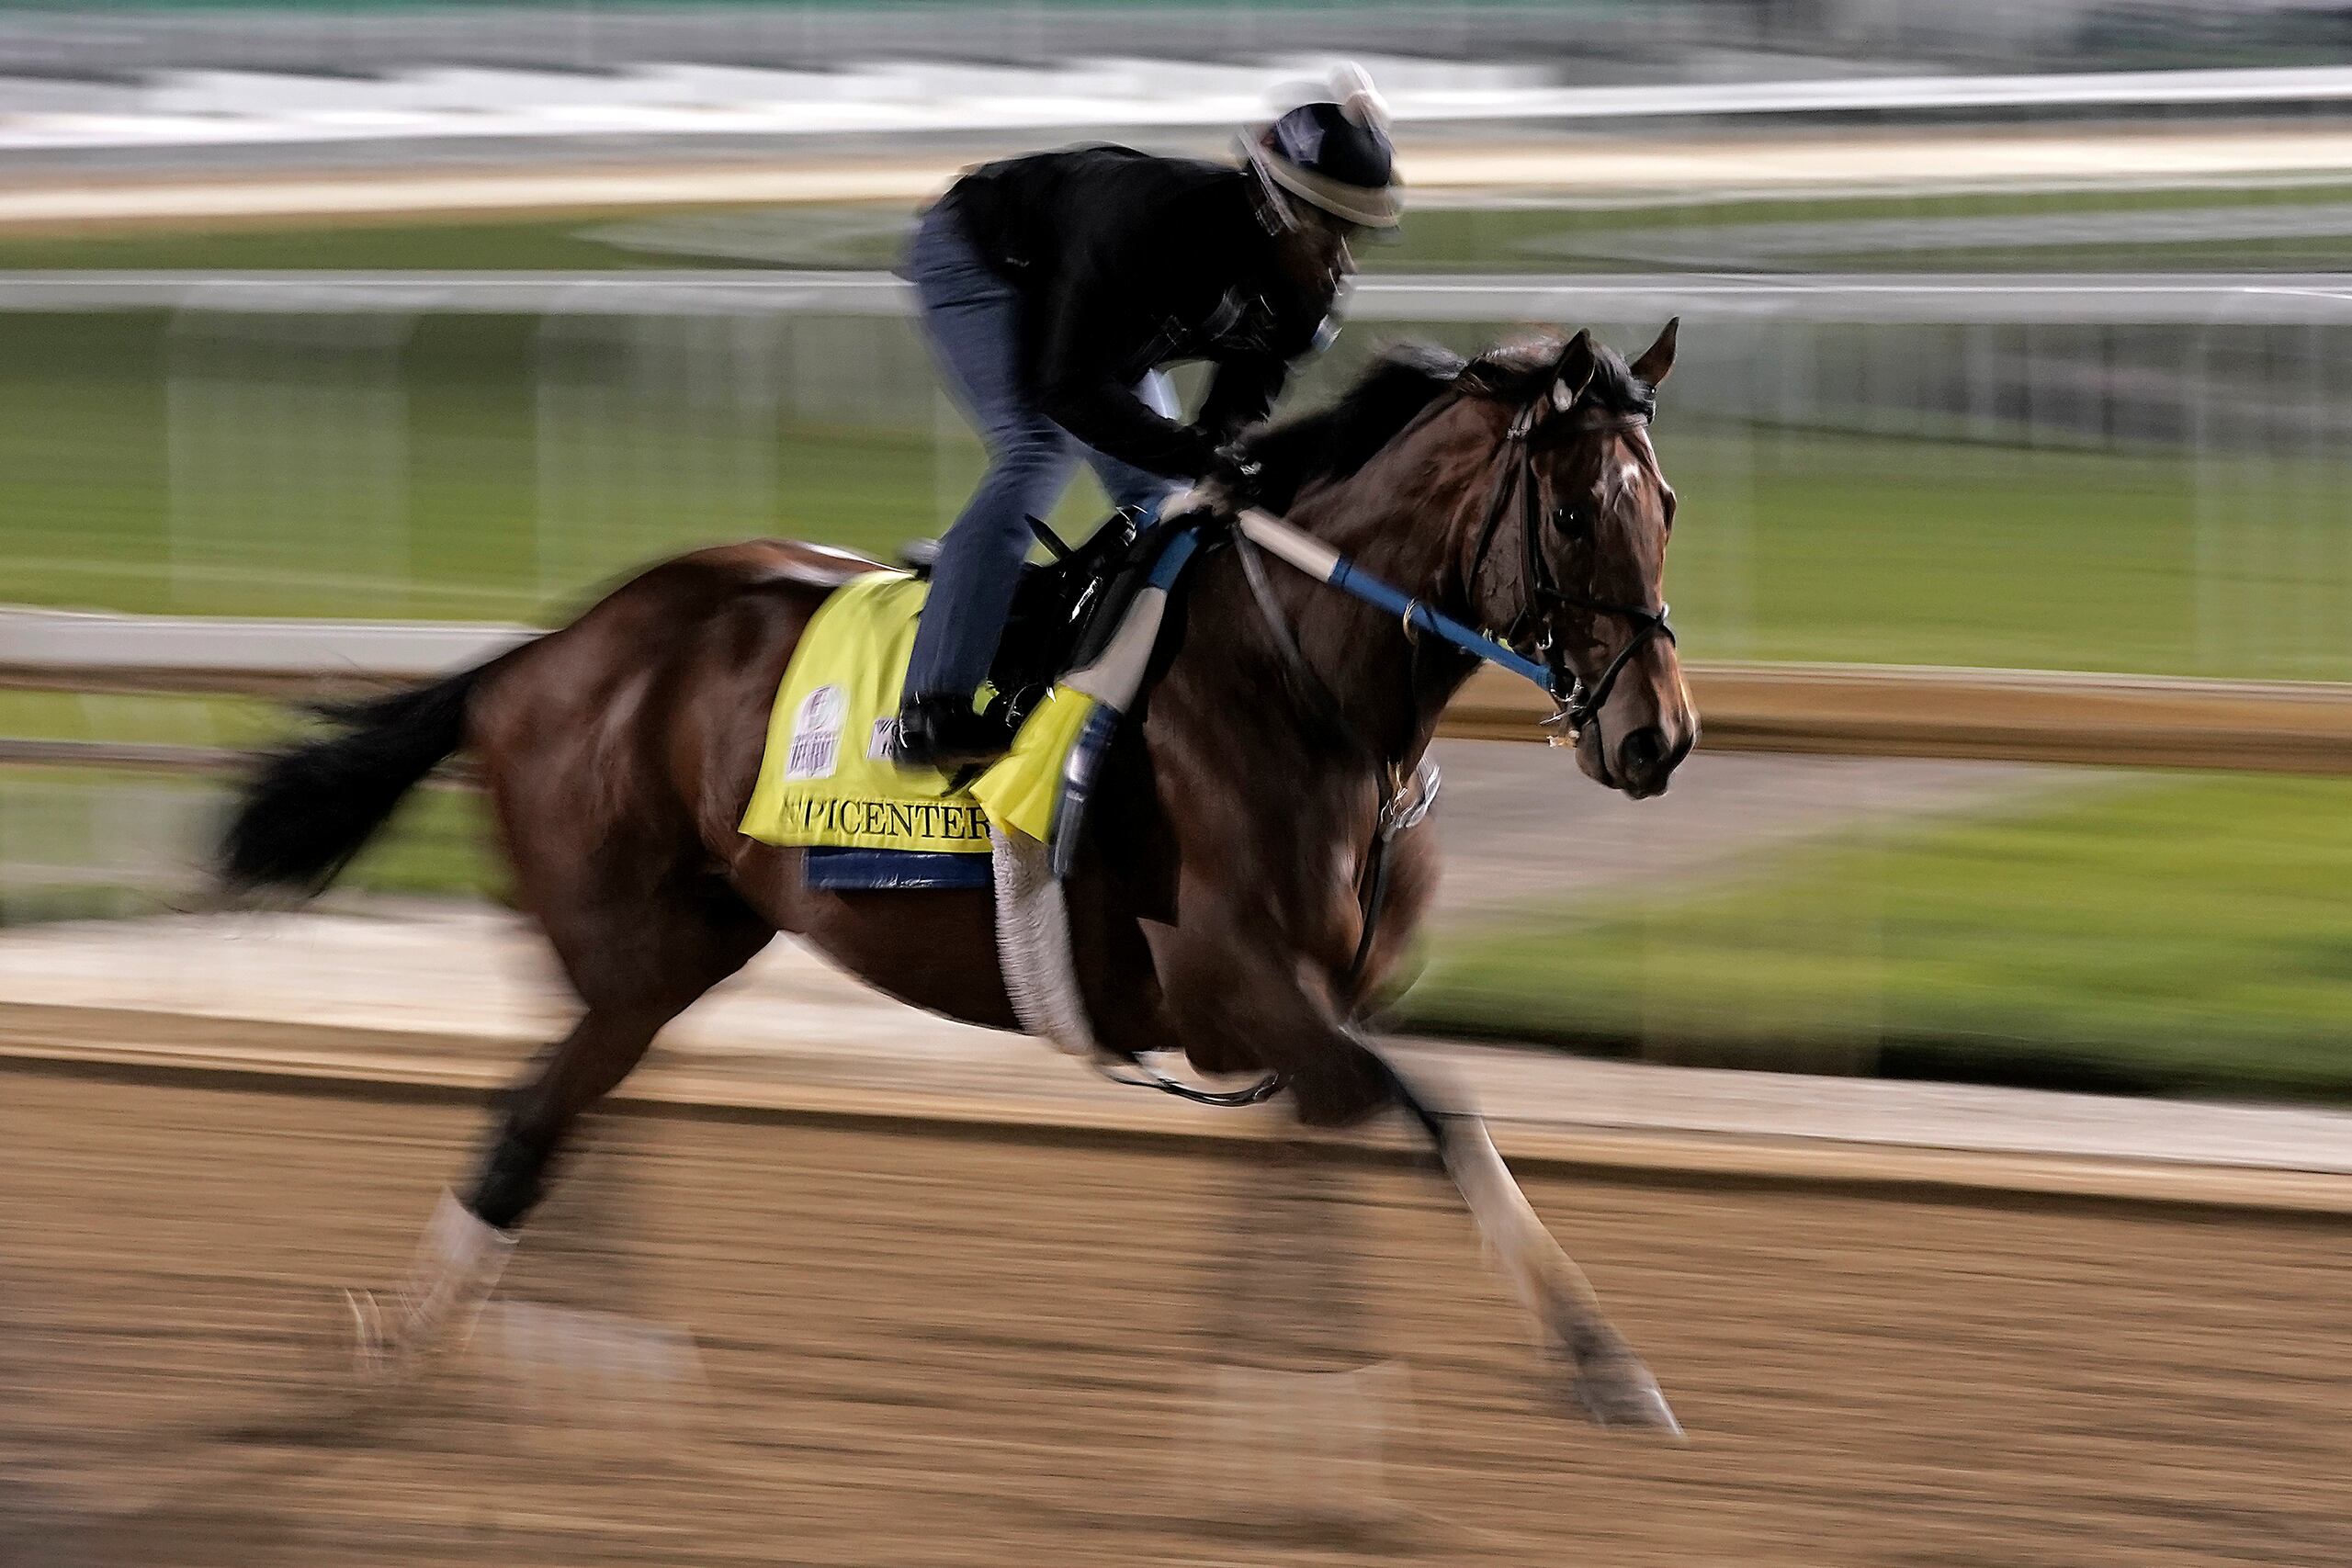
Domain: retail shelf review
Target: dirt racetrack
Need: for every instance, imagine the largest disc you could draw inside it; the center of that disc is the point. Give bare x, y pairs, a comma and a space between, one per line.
917, 1348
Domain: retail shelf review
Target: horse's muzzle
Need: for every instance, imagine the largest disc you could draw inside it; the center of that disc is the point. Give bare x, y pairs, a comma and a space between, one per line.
1645, 761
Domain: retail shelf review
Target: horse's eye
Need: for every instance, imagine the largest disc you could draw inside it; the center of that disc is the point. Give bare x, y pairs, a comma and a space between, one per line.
1570, 521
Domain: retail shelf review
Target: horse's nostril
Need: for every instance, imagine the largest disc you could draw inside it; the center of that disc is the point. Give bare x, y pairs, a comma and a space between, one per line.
1641, 753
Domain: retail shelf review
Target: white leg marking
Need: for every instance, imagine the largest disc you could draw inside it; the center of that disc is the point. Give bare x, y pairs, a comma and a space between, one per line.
457, 1263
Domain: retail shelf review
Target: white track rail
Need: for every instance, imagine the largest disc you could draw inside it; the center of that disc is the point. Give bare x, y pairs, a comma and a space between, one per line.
1955, 298
99, 647
258, 109
1863, 710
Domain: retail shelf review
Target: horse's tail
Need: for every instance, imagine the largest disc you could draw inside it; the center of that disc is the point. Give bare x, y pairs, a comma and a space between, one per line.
309, 807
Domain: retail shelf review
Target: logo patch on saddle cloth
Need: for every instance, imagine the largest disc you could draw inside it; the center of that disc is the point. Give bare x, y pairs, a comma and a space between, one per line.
817, 734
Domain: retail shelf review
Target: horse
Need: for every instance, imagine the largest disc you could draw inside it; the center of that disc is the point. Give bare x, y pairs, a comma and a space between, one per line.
1213, 906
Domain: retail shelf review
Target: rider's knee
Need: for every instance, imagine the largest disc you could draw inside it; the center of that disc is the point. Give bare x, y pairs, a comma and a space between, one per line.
1029, 447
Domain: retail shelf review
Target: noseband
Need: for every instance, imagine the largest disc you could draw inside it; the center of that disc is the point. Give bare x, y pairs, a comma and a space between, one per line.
1579, 700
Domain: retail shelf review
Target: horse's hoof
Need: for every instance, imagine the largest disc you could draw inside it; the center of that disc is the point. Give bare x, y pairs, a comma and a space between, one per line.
375, 1359
1616, 1390
370, 1347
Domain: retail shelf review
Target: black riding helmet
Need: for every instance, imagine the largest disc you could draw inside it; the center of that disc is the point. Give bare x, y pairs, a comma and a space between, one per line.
1331, 152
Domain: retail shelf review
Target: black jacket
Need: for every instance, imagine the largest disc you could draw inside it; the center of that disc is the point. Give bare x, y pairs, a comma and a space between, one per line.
1126, 262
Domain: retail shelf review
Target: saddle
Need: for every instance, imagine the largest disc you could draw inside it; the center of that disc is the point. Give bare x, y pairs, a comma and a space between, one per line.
1064, 609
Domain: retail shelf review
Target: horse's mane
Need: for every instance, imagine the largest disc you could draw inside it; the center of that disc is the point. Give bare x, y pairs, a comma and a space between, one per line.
1335, 441
1402, 384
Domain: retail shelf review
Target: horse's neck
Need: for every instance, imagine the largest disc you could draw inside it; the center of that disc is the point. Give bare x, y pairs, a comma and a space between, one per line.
1400, 520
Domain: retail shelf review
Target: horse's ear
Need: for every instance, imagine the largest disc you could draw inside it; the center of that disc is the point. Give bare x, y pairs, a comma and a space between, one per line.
1656, 362
1572, 372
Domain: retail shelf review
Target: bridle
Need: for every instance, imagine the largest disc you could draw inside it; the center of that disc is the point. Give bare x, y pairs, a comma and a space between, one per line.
1536, 624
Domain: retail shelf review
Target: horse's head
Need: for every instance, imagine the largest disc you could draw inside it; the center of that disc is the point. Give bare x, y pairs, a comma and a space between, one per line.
1567, 554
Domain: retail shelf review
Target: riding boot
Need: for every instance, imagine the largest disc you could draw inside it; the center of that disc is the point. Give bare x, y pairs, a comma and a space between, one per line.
947, 733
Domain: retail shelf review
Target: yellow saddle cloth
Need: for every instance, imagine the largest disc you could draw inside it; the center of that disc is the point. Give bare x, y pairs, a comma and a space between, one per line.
827, 781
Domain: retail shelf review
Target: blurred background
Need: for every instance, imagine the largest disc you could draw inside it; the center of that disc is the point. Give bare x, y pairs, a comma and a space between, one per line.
2014, 341
2013, 572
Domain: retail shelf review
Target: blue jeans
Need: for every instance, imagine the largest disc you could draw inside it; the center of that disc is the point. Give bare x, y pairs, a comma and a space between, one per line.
972, 319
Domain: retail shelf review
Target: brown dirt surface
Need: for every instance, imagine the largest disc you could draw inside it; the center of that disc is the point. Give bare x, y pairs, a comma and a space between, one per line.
917, 1348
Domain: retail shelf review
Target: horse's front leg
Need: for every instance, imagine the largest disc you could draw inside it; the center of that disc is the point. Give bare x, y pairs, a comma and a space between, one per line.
1610, 1380
1240, 998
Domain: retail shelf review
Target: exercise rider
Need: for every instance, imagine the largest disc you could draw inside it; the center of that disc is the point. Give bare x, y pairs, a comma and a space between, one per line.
1055, 287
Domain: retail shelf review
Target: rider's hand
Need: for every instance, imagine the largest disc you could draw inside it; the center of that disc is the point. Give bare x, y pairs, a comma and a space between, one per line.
1233, 482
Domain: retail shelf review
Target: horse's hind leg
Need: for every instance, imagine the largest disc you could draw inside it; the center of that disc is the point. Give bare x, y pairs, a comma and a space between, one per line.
636, 967
538, 1114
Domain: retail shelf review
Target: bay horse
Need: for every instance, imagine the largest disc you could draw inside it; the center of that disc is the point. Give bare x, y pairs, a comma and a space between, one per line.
1213, 906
